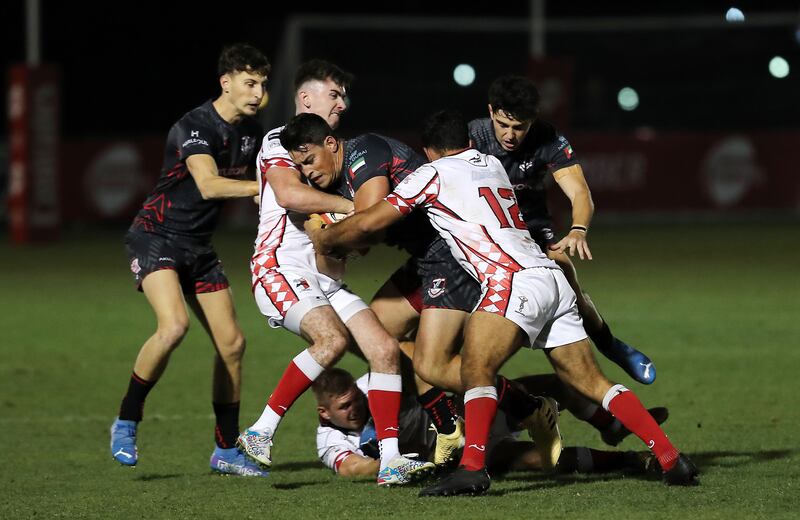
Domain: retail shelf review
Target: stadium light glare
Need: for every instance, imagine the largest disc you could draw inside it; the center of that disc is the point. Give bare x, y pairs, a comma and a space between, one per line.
464, 74
778, 67
628, 99
734, 15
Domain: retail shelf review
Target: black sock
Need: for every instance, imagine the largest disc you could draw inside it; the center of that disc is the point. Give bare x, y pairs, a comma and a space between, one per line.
440, 409
602, 338
514, 400
226, 430
132, 407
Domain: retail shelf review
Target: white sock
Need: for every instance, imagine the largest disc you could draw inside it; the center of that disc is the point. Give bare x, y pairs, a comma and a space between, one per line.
269, 420
389, 449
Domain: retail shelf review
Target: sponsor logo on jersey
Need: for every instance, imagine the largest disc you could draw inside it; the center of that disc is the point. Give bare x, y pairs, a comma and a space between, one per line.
437, 287
194, 141
357, 164
166, 259
248, 143
525, 165
522, 302
236, 171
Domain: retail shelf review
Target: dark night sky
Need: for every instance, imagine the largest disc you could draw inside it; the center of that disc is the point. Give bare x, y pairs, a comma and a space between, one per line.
136, 67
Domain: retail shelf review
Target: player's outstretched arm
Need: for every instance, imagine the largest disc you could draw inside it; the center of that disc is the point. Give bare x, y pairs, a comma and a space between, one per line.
356, 465
293, 194
204, 171
353, 232
573, 184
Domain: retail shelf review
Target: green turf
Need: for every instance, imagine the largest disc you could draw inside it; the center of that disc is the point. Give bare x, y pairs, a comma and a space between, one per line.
715, 305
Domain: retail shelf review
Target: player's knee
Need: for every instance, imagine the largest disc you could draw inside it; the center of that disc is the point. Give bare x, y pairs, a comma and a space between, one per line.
335, 343
171, 334
423, 366
232, 349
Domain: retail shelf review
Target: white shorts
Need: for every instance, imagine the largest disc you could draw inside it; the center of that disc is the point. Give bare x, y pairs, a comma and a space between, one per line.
285, 295
539, 300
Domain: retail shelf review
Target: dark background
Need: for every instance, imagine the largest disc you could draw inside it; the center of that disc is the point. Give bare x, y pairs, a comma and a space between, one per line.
134, 68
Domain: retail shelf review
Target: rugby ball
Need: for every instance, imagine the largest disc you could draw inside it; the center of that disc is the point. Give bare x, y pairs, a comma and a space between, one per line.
330, 218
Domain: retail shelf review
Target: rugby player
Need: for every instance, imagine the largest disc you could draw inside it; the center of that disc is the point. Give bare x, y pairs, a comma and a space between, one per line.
208, 158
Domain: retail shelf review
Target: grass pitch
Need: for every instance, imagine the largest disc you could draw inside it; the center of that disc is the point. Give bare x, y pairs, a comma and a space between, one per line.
716, 306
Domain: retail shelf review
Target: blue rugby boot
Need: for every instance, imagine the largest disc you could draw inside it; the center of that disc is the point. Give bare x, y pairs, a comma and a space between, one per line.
123, 442
634, 363
232, 461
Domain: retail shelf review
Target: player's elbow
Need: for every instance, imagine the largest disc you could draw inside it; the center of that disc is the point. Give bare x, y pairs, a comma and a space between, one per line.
206, 190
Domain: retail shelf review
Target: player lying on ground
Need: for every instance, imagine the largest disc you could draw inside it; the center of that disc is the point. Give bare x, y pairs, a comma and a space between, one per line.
346, 435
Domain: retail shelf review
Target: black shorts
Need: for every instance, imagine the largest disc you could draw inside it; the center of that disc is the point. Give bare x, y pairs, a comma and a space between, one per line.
542, 233
437, 281
198, 267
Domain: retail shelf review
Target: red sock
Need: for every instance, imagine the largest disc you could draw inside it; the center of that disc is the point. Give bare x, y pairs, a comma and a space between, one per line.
480, 407
384, 397
629, 410
299, 375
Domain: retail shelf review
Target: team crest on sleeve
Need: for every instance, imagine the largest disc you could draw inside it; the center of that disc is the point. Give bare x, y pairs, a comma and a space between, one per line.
437, 287
301, 284
135, 269
248, 143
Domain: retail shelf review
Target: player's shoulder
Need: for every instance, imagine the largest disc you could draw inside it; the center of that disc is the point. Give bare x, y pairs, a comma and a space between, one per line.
368, 142
543, 134
198, 116
272, 152
480, 129
272, 140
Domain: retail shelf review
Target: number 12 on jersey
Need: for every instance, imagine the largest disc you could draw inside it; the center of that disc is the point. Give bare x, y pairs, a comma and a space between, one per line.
512, 211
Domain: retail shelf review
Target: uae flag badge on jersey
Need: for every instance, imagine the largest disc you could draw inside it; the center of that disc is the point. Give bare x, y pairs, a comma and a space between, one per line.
357, 164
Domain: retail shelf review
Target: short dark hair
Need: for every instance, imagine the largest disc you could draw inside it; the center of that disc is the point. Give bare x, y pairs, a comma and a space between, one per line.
242, 57
332, 382
446, 130
515, 95
305, 129
321, 70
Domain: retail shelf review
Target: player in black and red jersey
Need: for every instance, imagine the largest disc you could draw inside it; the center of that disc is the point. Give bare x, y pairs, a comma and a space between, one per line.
529, 149
209, 157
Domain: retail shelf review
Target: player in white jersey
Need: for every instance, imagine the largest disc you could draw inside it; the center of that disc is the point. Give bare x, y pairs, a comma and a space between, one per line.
525, 297
292, 292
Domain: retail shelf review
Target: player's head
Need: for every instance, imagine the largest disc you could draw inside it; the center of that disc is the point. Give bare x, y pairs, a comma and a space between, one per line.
339, 399
444, 132
313, 146
321, 88
513, 107
243, 72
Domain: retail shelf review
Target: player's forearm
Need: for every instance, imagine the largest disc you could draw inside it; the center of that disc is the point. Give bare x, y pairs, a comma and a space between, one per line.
358, 466
305, 199
582, 209
223, 188
352, 233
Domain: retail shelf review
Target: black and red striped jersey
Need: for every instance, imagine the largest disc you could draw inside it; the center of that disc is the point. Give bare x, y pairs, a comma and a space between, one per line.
175, 207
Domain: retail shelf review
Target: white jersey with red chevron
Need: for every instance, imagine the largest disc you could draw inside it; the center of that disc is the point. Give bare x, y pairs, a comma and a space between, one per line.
470, 201
281, 241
